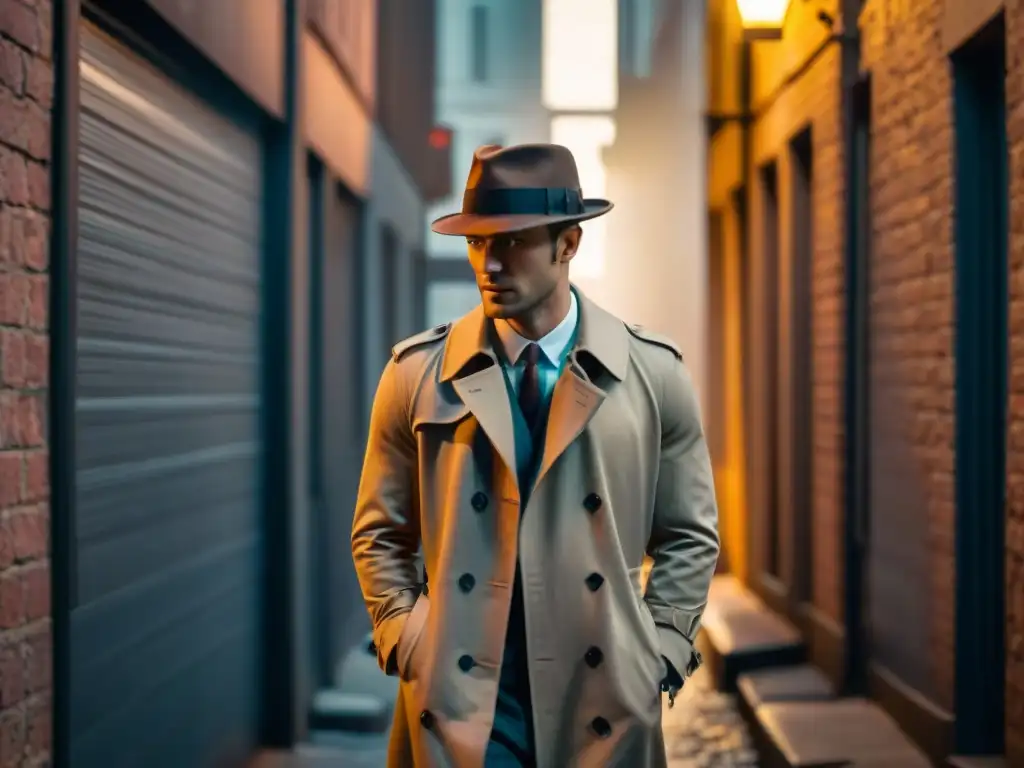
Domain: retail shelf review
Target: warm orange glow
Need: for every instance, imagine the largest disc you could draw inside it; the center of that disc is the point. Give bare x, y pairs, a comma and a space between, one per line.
730, 474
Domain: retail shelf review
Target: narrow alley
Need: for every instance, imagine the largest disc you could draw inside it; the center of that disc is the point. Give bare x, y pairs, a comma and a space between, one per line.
216, 232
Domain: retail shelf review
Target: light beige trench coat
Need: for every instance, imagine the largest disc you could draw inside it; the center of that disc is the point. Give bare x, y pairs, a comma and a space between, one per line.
624, 471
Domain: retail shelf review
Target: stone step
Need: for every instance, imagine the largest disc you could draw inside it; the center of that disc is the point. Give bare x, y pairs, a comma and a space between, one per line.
828, 734
334, 710
357, 672
741, 634
768, 686
977, 761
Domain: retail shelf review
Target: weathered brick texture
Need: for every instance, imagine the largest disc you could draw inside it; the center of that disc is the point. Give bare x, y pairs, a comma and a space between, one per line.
913, 287
26, 92
912, 331
911, 297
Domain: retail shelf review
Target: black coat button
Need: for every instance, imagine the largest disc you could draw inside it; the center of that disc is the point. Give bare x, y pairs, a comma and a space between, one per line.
592, 503
601, 727
594, 581
466, 662
427, 719
593, 656
467, 582
479, 501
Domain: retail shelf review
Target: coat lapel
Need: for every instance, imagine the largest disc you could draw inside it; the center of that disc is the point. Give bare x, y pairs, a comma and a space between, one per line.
485, 395
575, 401
473, 369
600, 337
573, 404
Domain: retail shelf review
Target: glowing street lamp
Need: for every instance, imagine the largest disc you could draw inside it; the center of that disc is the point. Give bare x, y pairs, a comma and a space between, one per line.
762, 19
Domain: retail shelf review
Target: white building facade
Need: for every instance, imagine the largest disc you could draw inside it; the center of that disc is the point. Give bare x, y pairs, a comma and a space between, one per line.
489, 91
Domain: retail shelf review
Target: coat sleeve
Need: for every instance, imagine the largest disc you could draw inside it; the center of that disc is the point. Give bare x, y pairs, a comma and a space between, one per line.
684, 540
385, 526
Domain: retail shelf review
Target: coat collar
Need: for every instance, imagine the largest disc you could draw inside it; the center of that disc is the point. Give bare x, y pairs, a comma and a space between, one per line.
600, 335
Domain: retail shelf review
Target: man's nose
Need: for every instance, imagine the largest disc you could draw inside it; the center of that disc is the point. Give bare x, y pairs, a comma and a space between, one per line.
492, 264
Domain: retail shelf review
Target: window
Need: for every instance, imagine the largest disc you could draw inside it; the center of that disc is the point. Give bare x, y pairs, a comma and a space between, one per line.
478, 43
798, 274
588, 136
582, 77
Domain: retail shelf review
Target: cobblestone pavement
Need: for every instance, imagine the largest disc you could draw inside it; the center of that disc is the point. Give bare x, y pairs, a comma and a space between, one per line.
705, 729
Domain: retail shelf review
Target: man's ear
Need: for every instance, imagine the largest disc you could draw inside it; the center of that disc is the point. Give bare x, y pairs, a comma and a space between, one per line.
569, 243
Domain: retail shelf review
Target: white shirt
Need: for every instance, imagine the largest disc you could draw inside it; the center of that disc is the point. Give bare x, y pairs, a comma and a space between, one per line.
553, 346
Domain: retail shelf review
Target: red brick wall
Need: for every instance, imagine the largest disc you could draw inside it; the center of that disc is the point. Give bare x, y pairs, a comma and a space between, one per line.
912, 187
911, 300
26, 85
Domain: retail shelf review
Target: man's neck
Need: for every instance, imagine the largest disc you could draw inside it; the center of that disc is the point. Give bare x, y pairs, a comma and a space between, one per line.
545, 317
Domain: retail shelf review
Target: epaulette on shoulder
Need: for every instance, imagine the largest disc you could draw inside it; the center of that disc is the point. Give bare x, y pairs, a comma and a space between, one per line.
437, 333
658, 339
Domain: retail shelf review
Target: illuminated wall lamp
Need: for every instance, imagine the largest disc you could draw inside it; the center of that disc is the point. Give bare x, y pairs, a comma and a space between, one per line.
762, 19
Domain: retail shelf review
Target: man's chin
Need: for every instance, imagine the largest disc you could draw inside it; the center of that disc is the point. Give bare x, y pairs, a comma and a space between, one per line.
498, 306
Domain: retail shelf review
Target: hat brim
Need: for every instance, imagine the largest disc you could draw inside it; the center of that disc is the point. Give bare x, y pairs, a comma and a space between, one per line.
469, 224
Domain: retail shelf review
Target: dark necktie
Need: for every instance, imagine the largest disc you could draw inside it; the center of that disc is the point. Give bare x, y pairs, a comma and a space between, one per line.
529, 388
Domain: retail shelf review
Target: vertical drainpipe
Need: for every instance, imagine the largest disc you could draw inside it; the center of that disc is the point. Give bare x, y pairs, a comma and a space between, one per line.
63, 335
854, 675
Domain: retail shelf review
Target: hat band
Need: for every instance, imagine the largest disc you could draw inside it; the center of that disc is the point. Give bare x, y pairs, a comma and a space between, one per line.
517, 201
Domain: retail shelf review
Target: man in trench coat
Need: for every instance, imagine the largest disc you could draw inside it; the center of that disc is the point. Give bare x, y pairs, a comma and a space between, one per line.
533, 452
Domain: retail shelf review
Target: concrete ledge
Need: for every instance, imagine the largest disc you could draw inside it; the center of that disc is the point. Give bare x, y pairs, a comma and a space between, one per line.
828, 734
741, 634
800, 683
334, 710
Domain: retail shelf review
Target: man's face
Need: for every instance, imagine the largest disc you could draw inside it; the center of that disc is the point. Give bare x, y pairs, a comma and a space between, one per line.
516, 272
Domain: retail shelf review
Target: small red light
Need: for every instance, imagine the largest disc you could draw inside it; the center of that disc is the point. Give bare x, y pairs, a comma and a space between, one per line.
440, 138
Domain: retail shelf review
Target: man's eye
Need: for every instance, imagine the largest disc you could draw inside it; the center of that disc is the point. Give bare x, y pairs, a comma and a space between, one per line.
473, 241
514, 242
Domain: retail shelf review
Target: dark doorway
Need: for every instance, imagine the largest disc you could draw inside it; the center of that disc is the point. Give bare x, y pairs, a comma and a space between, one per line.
800, 348
768, 337
982, 202
858, 405
318, 632
342, 398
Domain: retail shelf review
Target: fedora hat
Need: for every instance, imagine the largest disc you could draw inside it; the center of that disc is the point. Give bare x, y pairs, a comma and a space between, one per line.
510, 189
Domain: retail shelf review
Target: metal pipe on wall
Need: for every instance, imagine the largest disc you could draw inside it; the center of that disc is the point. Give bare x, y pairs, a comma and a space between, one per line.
63, 313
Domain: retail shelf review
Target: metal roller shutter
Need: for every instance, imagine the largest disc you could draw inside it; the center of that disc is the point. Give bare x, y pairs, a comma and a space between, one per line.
166, 626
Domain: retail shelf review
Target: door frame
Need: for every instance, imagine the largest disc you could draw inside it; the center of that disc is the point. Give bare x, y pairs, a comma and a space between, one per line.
981, 254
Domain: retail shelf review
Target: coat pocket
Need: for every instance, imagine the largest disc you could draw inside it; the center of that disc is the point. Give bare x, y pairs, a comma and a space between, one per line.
411, 639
